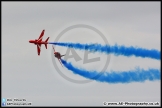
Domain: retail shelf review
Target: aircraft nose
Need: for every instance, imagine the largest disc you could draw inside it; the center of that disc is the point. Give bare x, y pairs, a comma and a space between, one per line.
29, 41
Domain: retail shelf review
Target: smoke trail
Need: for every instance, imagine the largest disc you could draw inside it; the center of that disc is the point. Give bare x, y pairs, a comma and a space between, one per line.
116, 49
137, 75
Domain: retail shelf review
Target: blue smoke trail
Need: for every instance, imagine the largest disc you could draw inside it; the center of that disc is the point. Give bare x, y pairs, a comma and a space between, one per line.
137, 75
117, 50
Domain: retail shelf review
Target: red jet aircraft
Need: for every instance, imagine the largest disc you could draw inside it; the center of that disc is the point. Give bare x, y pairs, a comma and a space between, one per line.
39, 41
58, 55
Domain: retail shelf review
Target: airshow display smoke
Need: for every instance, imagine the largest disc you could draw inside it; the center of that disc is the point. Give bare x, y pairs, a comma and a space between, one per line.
115, 49
137, 75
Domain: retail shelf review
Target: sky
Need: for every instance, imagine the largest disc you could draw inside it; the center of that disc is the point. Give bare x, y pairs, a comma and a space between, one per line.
35, 78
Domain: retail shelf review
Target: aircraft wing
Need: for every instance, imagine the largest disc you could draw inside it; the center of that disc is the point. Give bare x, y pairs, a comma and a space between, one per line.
39, 49
53, 48
60, 62
41, 36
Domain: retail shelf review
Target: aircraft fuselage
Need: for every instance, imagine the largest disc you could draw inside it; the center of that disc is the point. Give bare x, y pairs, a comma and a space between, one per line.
37, 42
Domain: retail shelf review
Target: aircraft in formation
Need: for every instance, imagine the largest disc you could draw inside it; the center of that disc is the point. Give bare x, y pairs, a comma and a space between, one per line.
57, 55
39, 42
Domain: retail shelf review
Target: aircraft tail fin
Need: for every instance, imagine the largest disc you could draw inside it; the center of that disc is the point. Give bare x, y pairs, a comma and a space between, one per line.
46, 41
63, 55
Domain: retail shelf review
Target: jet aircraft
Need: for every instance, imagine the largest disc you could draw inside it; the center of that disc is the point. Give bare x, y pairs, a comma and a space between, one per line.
57, 55
39, 42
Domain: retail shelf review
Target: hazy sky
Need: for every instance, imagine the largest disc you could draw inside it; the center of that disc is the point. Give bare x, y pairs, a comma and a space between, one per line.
27, 75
